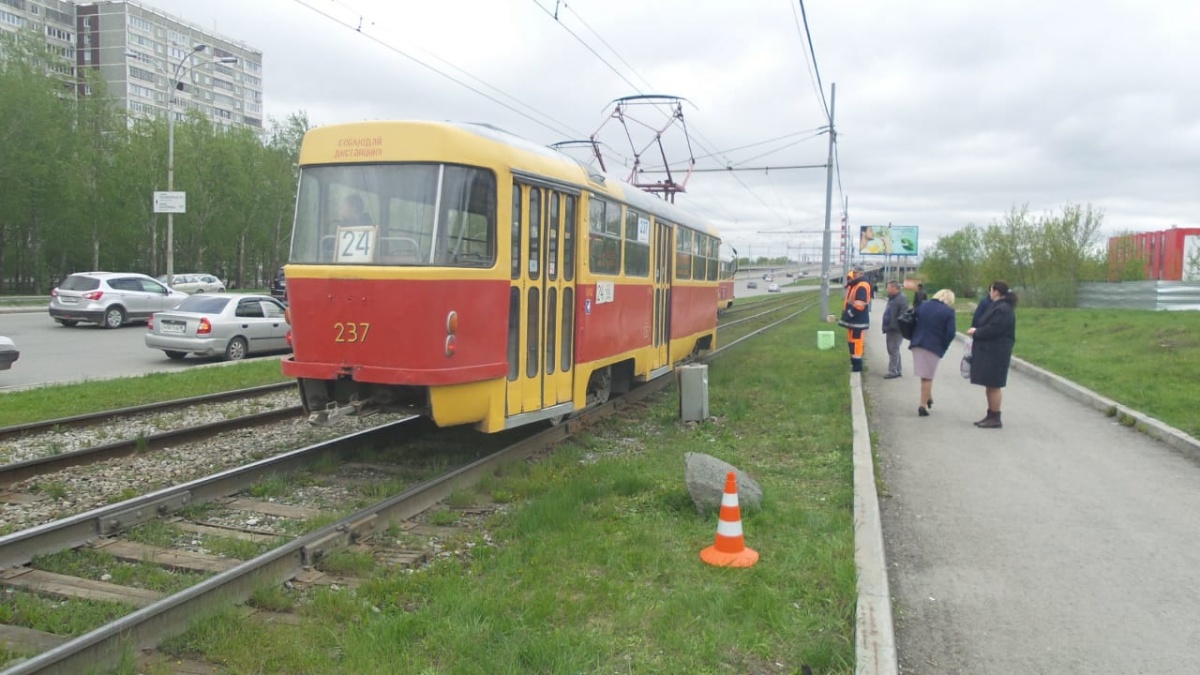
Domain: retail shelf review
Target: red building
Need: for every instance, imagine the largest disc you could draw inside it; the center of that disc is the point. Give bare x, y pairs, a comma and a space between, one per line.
1167, 255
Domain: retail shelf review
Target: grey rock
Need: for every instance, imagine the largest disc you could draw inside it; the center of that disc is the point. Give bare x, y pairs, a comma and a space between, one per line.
705, 478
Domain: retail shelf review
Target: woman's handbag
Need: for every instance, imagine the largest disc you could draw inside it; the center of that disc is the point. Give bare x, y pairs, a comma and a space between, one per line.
965, 366
907, 321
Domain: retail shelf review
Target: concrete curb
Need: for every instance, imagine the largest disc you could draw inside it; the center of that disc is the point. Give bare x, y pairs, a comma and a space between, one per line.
1154, 428
874, 635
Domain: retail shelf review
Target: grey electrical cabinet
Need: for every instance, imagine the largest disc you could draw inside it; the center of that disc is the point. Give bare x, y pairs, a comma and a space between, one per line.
693, 392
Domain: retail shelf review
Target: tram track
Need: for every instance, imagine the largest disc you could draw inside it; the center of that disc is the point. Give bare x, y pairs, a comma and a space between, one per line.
159, 617
100, 417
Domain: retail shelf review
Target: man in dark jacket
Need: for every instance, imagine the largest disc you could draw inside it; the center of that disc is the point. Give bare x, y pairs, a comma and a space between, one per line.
896, 304
919, 296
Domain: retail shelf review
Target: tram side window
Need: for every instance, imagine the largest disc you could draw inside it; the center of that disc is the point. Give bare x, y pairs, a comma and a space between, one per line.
700, 250
714, 261
637, 244
683, 253
604, 237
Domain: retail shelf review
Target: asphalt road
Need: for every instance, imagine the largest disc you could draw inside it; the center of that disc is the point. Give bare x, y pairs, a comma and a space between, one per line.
51, 353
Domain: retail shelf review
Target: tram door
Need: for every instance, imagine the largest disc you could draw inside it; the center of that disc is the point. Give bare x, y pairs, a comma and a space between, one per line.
541, 299
663, 257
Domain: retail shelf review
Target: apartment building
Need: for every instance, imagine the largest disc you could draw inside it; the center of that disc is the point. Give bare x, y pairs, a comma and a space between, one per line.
146, 56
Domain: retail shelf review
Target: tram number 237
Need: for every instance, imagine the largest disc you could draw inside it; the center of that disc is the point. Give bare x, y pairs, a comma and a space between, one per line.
350, 332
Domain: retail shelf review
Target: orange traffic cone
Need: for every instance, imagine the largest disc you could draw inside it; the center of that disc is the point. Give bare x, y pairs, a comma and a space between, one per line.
729, 549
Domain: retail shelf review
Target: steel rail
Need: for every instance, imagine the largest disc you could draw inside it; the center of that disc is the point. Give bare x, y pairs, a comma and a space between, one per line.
39, 466
19, 548
92, 418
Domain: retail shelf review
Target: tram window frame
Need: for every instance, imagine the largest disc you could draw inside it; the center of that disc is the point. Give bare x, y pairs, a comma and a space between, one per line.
568, 243
536, 224
699, 257
517, 212
552, 244
683, 253
568, 328
400, 224
514, 333
637, 253
551, 327
604, 237
533, 325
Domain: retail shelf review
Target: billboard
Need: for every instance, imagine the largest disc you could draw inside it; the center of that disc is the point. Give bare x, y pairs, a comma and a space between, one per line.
888, 240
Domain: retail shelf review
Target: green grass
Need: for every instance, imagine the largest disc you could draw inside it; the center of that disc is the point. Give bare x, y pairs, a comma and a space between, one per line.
35, 405
596, 567
1145, 360
96, 565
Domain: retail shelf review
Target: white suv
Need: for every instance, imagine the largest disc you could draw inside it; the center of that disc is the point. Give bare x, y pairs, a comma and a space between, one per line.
110, 299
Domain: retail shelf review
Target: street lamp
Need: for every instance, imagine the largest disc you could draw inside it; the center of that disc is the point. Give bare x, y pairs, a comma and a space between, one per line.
196, 49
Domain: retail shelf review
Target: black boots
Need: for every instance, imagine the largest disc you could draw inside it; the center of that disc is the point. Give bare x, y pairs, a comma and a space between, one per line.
992, 421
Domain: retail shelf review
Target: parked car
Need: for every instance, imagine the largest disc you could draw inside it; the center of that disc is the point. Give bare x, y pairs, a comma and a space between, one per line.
233, 325
790, 275
752, 284
8, 353
196, 283
279, 286
110, 299
773, 288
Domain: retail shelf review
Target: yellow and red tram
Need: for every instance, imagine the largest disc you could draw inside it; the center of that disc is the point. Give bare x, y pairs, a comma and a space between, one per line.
460, 272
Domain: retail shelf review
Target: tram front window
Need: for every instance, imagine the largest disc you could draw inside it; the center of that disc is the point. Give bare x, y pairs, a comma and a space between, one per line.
395, 214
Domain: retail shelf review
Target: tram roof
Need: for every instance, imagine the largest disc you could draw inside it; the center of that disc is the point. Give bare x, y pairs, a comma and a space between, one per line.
368, 141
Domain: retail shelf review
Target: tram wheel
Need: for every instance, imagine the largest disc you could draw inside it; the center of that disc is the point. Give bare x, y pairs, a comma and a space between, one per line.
600, 386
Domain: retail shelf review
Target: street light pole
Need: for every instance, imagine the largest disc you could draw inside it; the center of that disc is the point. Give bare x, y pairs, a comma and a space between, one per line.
171, 159
196, 49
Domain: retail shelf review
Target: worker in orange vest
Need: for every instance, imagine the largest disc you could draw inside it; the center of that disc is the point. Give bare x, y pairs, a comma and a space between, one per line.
856, 315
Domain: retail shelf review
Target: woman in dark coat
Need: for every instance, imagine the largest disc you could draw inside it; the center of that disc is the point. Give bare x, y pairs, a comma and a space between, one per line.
992, 350
931, 338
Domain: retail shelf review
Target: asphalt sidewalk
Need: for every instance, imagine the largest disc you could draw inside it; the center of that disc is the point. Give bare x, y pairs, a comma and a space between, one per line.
1063, 543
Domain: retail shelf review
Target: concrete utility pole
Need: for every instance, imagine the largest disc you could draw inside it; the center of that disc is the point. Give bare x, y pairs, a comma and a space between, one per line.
828, 205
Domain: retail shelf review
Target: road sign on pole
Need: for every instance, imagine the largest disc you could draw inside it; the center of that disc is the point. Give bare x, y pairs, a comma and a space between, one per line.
170, 202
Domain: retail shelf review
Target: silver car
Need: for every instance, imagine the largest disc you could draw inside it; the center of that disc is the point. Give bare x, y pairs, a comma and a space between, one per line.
232, 325
196, 283
110, 299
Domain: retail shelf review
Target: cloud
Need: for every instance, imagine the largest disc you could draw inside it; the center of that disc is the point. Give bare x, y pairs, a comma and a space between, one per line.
947, 112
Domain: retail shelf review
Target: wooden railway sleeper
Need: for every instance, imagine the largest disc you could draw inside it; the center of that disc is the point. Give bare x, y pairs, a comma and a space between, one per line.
345, 535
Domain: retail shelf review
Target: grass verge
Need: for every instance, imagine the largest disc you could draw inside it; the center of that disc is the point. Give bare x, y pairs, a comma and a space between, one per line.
595, 566
1145, 360
35, 405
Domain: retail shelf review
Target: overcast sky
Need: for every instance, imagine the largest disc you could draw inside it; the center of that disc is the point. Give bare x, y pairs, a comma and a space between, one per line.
947, 112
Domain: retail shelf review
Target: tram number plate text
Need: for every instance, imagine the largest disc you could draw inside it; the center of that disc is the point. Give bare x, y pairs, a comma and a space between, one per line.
350, 332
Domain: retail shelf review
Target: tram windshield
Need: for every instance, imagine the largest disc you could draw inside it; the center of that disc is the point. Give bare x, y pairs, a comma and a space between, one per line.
395, 214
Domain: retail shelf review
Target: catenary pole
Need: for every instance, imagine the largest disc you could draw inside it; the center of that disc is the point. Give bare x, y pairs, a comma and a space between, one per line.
825, 261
